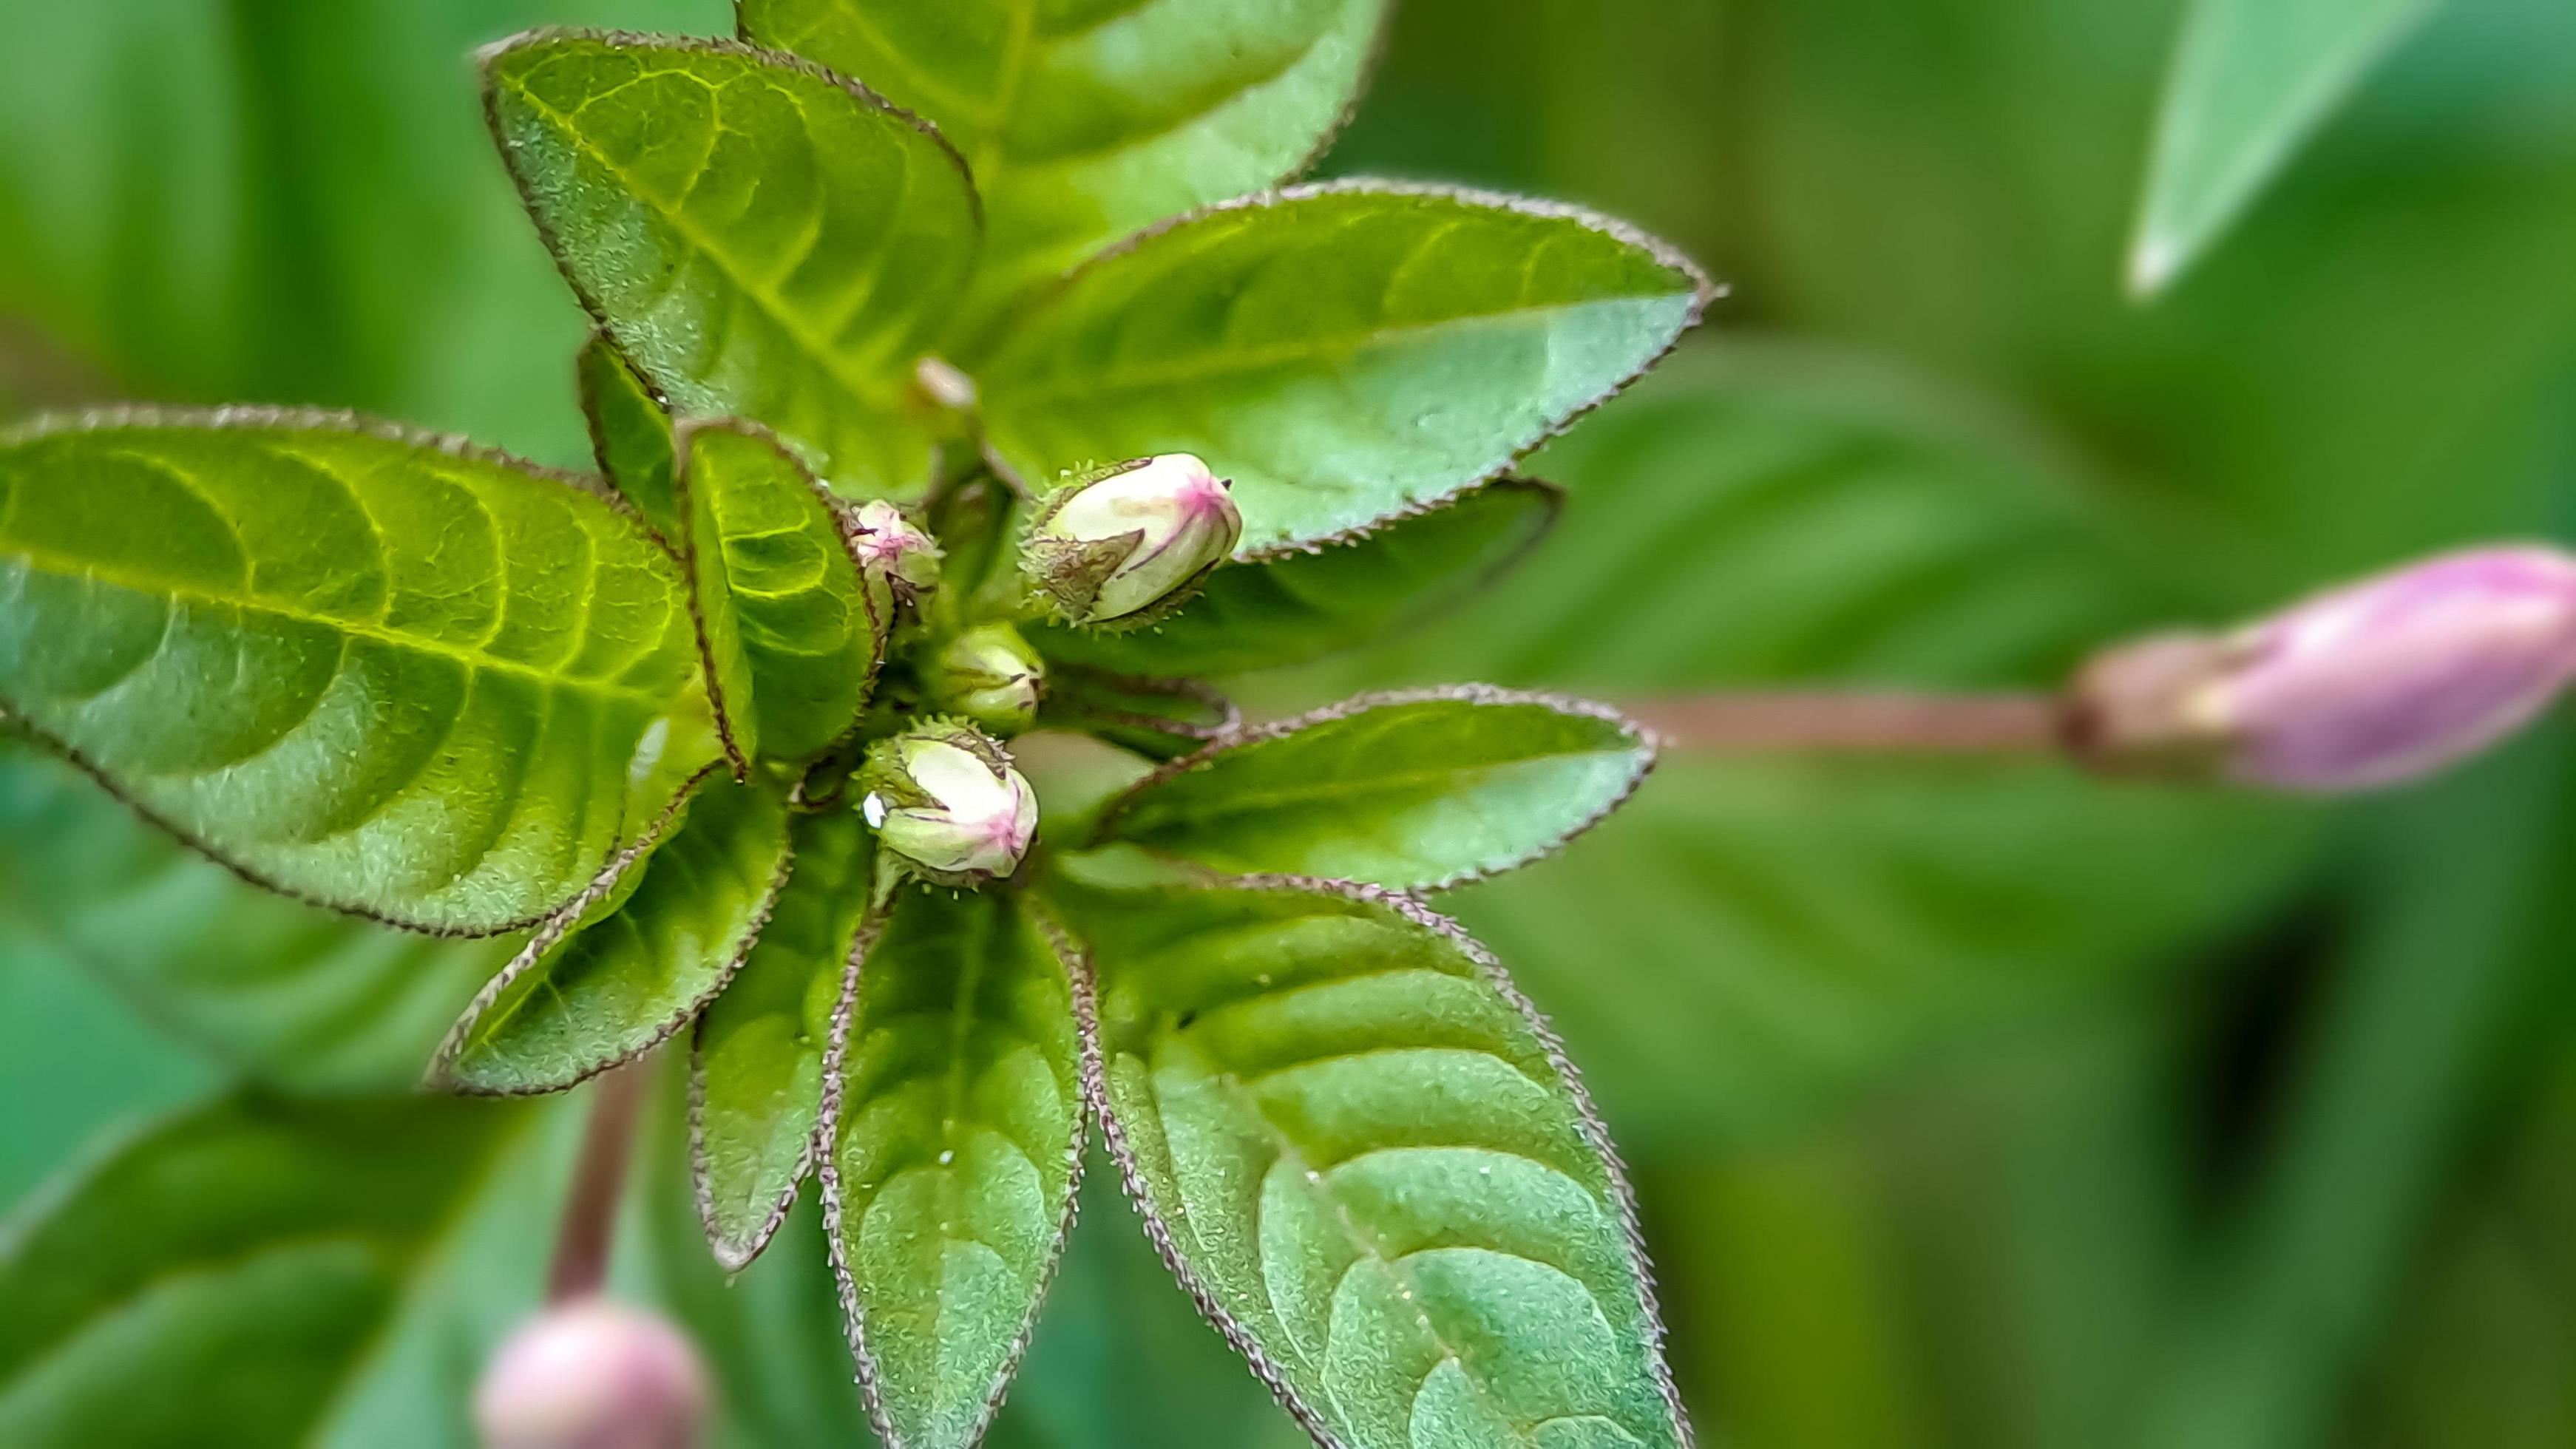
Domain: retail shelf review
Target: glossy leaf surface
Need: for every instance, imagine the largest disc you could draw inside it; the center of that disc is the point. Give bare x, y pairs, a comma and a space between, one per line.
1085, 121
1358, 1148
617, 981
780, 598
215, 613
762, 240
956, 1147
1344, 354
1407, 791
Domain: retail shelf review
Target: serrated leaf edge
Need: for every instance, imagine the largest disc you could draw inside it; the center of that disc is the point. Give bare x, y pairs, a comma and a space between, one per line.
1705, 292
1490, 971
250, 416
1077, 969
1649, 749
440, 1076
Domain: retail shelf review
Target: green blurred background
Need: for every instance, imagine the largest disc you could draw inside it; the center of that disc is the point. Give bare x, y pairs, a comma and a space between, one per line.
1970, 1105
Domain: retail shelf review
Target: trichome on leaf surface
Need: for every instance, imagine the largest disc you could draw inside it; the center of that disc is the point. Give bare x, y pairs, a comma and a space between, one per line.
903, 452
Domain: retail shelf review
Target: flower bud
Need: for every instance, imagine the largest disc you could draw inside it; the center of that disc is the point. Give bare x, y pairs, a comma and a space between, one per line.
1116, 545
990, 675
2371, 684
593, 1375
947, 801
885, 541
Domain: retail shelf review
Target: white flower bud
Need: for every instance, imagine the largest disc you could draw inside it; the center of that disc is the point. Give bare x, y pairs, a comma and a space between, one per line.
2371, 684
990, 675
946, 800
1115, 546
593, 1375
886, 542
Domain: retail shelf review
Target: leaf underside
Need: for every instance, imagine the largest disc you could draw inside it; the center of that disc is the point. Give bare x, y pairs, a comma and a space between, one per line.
1301, 606
1345, 354
615, 986
1361, 1152
762, 240
1406, 791
757, 1061
213, 612
1084, 122
956, 1149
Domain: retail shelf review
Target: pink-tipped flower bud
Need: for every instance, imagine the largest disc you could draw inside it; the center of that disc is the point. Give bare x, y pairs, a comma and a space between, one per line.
1118, 544
2370, 684
895, 548
990, 675
593, 1375
947, 802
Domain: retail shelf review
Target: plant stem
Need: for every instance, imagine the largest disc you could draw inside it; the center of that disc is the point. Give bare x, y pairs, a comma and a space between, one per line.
1859, 722
599, 1178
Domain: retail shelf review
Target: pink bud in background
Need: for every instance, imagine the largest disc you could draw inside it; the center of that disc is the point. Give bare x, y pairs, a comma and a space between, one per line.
2371, 684
593, 1375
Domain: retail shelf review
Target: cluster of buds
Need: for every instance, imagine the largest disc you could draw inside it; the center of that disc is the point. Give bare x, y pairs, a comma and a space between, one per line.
592, 1374
2371, 684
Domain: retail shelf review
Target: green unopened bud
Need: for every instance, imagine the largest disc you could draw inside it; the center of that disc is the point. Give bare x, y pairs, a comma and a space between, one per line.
945, 799
1116, 546
885, 541
990, 675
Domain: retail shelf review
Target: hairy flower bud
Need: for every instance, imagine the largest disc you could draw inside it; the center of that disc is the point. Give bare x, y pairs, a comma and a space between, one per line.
1113, 546
884, 540
2370, 684
990, 675
593, 1375
946, 799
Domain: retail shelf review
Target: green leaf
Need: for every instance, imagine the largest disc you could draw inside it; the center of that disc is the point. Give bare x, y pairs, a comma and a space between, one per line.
1360, 1151
1346, 354
2251, 81
630, 433
226, 1273
793, 628
210, 612
761, 239
1412, 791
608, 980
1084, 121
302, 998
1754, 937
756, 1063
955, 1113
1161, 719
1302, 606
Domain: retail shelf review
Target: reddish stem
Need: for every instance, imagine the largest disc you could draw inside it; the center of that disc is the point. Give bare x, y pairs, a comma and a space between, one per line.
599, 1179
1892, 723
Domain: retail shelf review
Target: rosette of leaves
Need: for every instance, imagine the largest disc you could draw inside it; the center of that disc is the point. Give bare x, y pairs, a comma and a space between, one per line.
872, 252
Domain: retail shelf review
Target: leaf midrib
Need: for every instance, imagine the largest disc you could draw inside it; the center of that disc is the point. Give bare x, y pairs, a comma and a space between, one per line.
59, 565
824, 357
1325, 791
1320, 349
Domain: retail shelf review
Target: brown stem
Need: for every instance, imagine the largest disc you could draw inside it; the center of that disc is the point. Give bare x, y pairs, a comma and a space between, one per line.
590, 1210
1890, 723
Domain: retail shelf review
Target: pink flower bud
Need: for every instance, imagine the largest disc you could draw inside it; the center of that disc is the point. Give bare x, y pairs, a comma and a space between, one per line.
1131, 539
2371, 684
593, 1375
945, 800
894, 547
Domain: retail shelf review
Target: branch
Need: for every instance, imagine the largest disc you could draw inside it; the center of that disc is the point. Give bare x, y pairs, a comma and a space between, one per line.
590, 1210
1859, 722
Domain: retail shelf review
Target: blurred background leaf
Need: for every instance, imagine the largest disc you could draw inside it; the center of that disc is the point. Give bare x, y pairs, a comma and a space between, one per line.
1983, 1107
2251, 79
